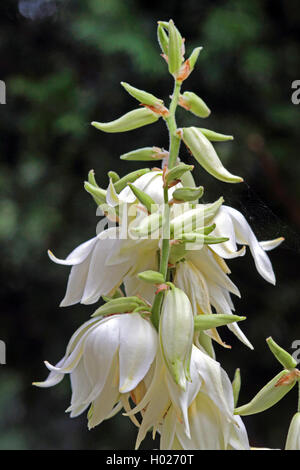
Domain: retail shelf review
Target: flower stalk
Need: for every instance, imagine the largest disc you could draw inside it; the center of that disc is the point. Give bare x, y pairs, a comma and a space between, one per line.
174, 144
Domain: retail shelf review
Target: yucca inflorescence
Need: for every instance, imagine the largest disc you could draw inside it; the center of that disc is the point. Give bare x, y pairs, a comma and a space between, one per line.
160, 269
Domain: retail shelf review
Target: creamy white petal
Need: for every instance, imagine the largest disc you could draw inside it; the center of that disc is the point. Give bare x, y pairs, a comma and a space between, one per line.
168, 430
53, 378
182, 399
210, 372
245, 235
205, 425
75, 355
138, 347
81, 388
271, 244
103, 406
206, 263
99, 350
220, 299
76, 283
193, 283
78, 255
142, 183
238, 439
101, 279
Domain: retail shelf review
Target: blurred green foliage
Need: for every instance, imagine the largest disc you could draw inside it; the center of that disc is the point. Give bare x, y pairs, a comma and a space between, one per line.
62, 62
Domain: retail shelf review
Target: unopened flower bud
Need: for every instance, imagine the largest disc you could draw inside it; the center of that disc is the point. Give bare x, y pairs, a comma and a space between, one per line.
188, 194
152, 277
142, 96
206, 155
113, 176
130, 178
214, 320
270, 394
132, 120
293, 438
119, 305
174, 49
285, 359
145, 154
194, 219
192, 102
194, 57
177, 172
236, 386
99, 195
146, 200
91, 178
193, 237
215, 136
163, 39
176, 334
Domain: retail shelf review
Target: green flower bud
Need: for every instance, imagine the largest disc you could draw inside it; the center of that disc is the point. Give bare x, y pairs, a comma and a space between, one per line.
112, 197
91, 178
130, 178
206, 322
152, 277
163, 39
142, 96
194, 57
188, 194
132, 120
191, 237
177, 172
145, 154
113, 176
269, 395
211, 210
119, 305
236, 386
146, 200
285, 359
176, 331
293, 438
174, 49
215, 136
148, 225
194, 103
187, 180
99, 195
206, 155
194, 219
206, 230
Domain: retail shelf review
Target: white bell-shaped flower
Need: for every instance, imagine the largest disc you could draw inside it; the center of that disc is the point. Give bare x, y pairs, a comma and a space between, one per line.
107, 359
200, 417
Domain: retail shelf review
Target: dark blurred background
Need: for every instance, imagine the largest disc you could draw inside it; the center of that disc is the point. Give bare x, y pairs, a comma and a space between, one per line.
62, 62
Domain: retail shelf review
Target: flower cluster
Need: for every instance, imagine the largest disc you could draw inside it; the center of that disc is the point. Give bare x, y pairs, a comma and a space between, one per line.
159, 264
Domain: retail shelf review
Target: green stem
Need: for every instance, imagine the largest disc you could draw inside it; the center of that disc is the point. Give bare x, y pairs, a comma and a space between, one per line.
173, 154
298, 396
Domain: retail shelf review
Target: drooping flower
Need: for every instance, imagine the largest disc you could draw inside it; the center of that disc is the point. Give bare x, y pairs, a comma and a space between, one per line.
200, 417
107, 359
232, 223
